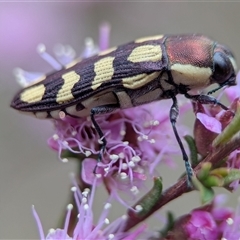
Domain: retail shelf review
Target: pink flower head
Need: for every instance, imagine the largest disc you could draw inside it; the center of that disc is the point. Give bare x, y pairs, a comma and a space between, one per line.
137, 140
85, 227
216, 222
202, 226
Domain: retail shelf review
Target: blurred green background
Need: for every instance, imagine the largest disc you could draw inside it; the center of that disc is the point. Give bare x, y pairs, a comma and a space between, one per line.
30, 172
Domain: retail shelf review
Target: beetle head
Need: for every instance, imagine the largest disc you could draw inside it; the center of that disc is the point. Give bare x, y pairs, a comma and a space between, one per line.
224, 66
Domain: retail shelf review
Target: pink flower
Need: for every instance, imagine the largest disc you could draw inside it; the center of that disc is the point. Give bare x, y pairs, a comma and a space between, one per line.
202, 226
216, 222
85, 227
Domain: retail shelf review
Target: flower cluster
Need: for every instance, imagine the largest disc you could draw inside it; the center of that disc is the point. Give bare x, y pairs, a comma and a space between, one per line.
85, 227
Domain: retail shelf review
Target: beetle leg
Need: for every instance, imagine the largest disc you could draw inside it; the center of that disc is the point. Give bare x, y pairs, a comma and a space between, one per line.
96, 111
174, 112
205, 99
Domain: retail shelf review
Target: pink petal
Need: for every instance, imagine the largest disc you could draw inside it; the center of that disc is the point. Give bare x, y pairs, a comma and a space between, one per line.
210, 123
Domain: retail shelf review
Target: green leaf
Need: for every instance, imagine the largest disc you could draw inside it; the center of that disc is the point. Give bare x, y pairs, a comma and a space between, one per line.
233, 175
213, 181
222, 171
204, 171
193, 149
169, 225
206, 194
151, 198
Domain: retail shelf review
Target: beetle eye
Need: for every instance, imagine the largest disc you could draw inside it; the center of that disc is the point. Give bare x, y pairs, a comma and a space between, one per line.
222, 68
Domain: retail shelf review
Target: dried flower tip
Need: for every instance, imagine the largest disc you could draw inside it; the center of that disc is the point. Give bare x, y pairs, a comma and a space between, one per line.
69, 207
107, 205
121, 155
86, 191
145, 137
86, 206
131, 164
25, 78
64, 160
123, 175
111, 236
90, 48
124, 166
55, 137
98, 175
138, 208
41, 49
85, 194
51, 230
87, 153
136, 159
152, 141
64, 50
74, 133
100, 141
229, 221
134, 190
89, 43
73, 189
106, 169
65, 143
139, 138
154, 122
114, 157
106, 221
62, 115
122, 132
126, 143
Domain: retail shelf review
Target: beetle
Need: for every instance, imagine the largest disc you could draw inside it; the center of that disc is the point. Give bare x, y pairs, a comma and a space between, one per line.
145, 70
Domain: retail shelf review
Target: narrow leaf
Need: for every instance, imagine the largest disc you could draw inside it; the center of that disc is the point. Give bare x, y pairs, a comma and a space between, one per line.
151, 198
206, 194
193, 149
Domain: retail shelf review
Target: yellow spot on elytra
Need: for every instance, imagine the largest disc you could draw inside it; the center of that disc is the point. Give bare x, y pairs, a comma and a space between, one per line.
146, 53
65, 93
33, 94
139, 80
107, 51
103, 71
192, 76
144, 39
